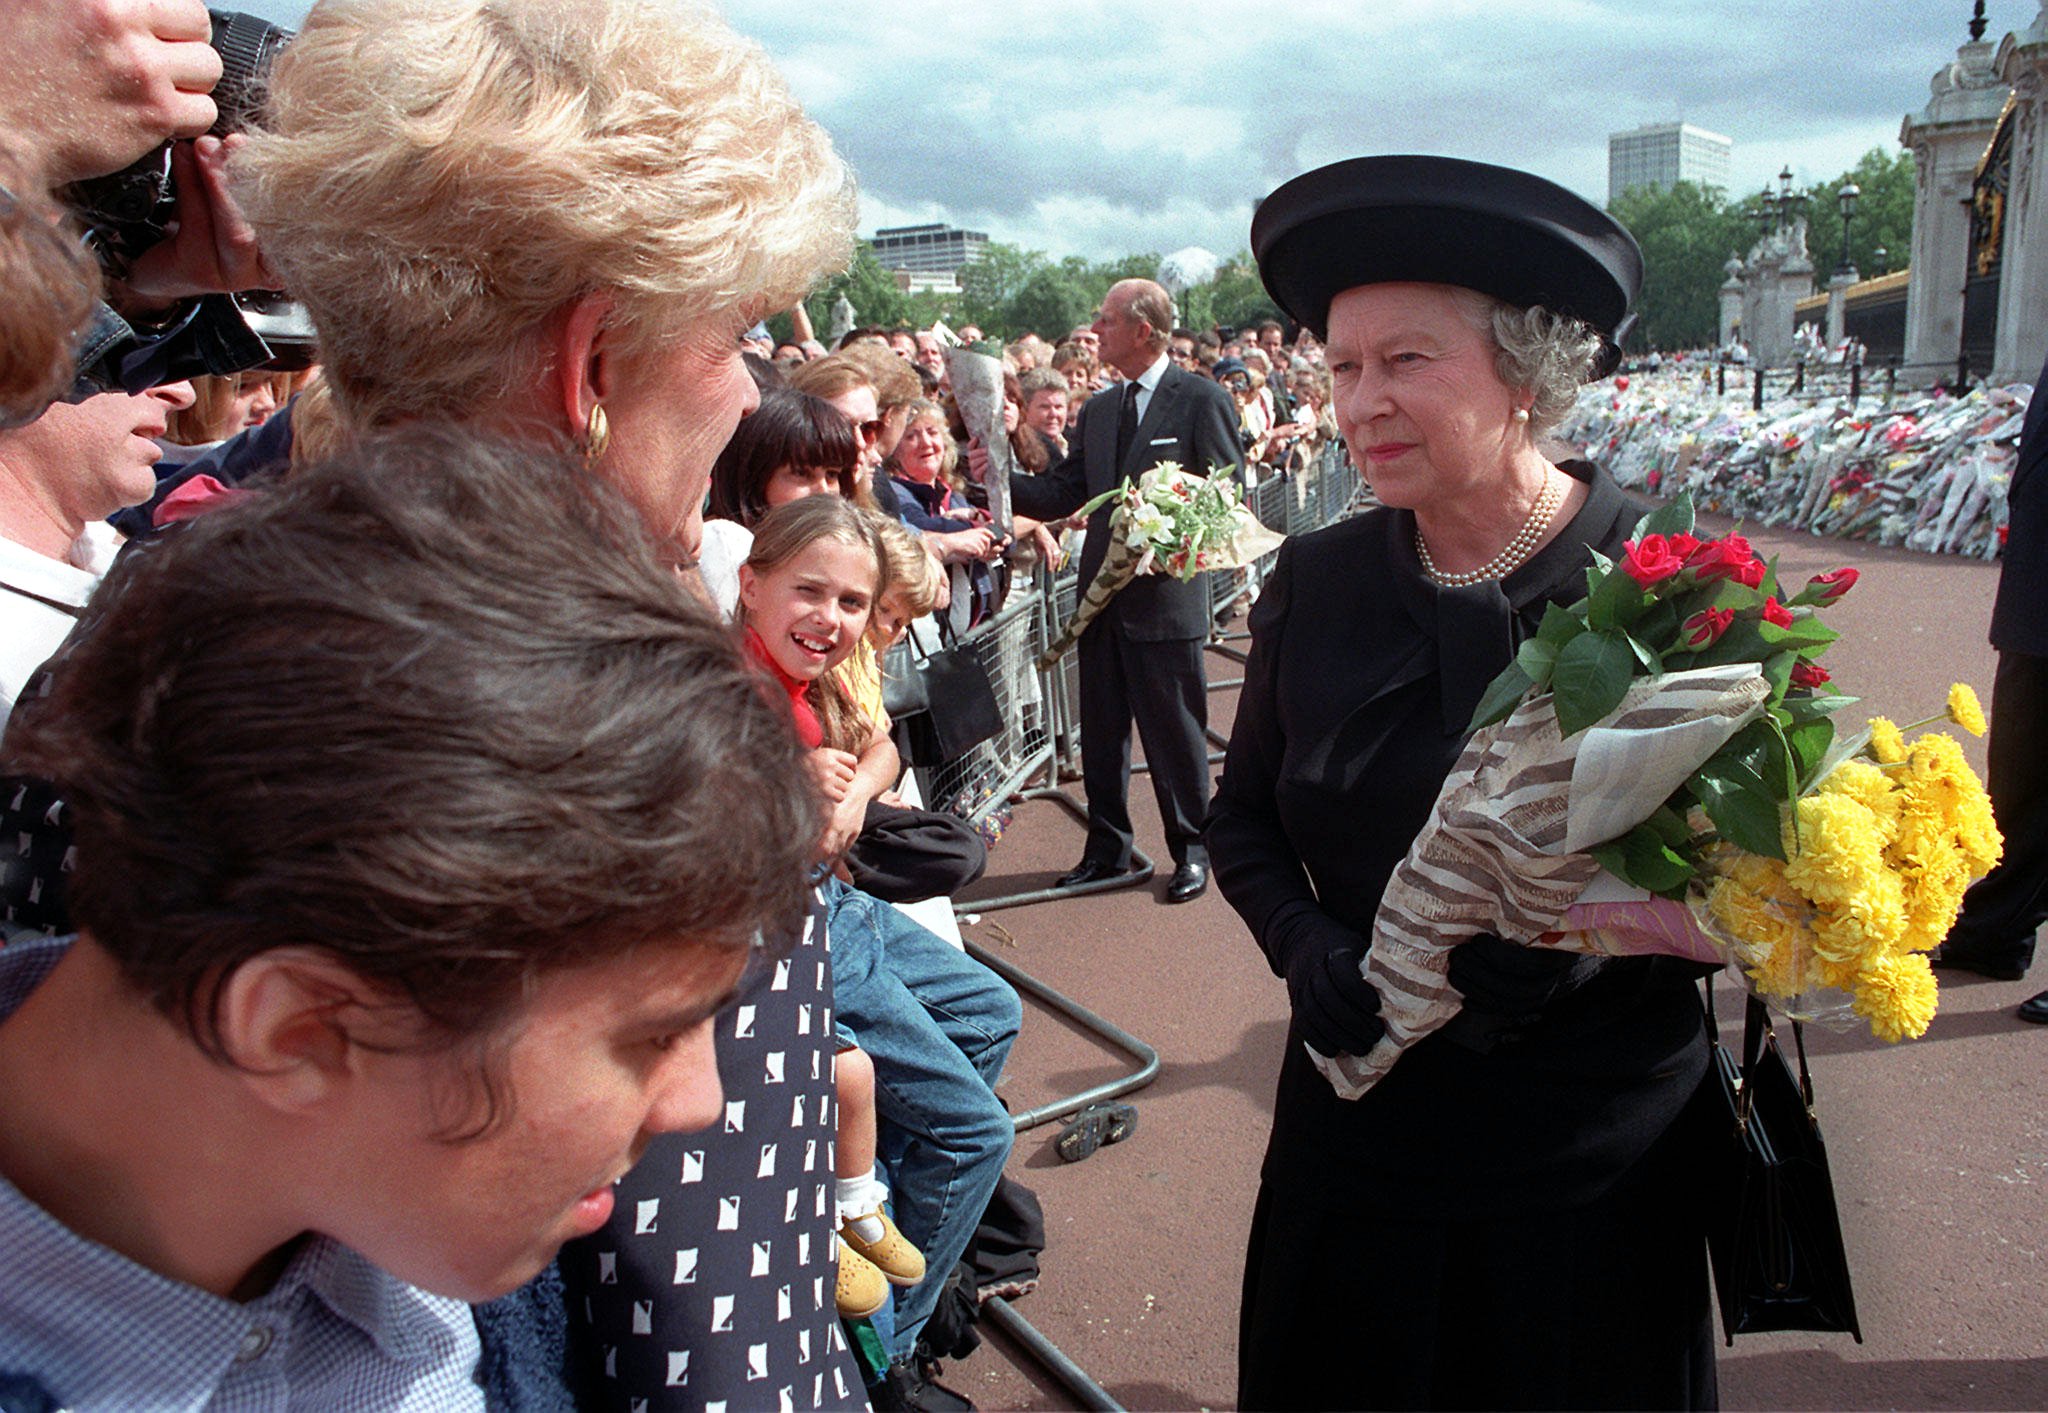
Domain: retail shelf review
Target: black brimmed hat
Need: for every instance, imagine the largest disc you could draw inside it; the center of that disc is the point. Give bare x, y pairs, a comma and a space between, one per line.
1440, 220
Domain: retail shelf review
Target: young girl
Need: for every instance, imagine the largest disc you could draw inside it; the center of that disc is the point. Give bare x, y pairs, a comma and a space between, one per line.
935, 1024
807, 593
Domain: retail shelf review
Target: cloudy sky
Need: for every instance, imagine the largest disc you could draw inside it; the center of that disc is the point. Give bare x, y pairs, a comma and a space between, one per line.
1078, 127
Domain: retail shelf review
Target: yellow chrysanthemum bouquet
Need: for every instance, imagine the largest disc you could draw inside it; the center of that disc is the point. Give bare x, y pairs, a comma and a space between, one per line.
1878, 854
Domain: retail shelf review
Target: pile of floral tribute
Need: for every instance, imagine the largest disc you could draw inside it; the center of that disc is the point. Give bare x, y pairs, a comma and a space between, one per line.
1168, 521
1672, 731
1929, 472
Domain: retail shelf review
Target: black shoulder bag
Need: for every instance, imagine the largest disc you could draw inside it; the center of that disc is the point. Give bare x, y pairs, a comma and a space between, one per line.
1774, 1234
940, 704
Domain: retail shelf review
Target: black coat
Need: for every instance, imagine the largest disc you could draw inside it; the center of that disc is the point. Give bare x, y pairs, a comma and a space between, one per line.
1189, 420
1458, 1235
2019, 619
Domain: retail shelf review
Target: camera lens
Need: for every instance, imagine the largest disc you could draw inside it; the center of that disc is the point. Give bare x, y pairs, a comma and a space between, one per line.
247, 46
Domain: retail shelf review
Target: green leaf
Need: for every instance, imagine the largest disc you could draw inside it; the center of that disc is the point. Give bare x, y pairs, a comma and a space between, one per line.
1614, 600
1778, 672
1769, 587
1741, 643
1659, 626
1803, 709
1591, 677
1669, 825
1729, 594
1560, 625
1503, 694
1807, 632
1675, 518
1742, 808
1645, 654
1601, 562
1809, 741
1781, 763
1536, 657
1642, 858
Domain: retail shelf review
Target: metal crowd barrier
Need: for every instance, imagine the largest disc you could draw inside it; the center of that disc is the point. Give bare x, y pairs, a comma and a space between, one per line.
1040, 739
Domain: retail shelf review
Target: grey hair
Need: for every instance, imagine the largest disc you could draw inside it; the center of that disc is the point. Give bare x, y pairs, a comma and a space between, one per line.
1547, 355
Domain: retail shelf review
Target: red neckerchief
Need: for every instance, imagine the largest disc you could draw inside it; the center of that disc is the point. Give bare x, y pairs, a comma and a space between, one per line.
809, 729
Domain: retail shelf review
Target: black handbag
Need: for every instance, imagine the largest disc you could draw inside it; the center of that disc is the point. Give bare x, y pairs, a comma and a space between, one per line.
940, 704
1774, 1235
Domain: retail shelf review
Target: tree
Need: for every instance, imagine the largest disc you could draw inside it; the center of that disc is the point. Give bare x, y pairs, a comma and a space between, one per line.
1054, 300
1687, 234
1236, 297
991, 280
869, 288
1883, 217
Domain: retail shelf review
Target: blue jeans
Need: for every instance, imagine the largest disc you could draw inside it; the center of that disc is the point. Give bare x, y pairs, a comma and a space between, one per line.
938, 1026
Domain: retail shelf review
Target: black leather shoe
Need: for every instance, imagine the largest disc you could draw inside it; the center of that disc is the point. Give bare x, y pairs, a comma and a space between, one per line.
1089, 871
2035, 1009
912, 1386
1190, 881
1997, 968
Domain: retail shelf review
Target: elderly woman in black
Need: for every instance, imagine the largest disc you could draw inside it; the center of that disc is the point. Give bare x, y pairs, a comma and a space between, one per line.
1510, 1217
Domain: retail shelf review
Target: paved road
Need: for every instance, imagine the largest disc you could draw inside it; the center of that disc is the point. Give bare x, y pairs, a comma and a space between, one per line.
1940, 1146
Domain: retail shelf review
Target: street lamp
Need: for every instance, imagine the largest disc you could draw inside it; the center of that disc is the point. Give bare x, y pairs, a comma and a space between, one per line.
1881, 258
1846, 198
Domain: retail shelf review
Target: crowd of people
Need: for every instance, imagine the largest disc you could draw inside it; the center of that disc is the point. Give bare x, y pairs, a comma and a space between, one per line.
459, 924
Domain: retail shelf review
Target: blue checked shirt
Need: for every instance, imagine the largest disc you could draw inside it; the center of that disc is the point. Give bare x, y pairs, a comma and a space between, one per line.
96, 1331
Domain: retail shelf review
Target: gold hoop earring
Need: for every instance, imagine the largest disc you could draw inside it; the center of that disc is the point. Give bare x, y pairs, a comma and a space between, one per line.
597, 435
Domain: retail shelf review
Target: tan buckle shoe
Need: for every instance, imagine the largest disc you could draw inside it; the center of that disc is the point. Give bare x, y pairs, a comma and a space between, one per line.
860, 1289
901, 1262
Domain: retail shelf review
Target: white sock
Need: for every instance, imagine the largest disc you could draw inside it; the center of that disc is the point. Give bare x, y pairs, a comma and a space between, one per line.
860, 1198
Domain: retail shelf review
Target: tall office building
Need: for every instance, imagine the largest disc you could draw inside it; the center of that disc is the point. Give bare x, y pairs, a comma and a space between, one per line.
1660, 155
927, 250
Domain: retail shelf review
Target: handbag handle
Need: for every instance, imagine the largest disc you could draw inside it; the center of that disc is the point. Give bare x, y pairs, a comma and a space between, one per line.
1756, 1029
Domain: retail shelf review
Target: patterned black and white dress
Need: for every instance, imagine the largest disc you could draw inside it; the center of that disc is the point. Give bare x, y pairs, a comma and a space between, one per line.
712, 1285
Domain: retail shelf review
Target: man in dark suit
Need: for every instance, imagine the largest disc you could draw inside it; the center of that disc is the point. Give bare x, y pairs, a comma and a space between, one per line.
1141, 660
1994, 936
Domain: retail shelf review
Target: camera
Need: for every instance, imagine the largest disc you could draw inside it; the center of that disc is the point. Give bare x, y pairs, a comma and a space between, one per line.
128, 211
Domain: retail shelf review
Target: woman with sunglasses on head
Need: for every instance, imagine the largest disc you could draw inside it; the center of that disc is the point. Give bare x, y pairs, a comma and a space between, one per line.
794, 445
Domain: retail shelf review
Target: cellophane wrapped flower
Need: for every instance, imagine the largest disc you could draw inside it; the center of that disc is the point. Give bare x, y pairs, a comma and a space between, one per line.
1168, 521
1671, 730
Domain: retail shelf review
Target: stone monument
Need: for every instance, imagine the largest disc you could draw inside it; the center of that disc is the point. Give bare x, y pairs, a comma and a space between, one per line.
1947, 139
2022, 65
1775, 277
1731, 301
842, 321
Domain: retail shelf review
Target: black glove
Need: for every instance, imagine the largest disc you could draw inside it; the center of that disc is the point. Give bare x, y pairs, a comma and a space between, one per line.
1335, 1007
1513, 984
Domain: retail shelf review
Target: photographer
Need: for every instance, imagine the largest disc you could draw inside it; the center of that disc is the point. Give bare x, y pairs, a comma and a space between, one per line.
127, 74
171, 242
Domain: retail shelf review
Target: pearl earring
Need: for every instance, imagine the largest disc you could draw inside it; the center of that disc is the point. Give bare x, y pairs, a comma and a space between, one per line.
1521, 414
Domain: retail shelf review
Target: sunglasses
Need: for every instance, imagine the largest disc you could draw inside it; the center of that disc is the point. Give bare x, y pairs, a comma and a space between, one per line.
869, 431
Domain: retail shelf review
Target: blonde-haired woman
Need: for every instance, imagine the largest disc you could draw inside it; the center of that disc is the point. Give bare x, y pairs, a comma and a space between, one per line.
554, 219
548, 217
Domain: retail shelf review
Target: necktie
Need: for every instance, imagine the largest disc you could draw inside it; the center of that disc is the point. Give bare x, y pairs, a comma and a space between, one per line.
1126, 424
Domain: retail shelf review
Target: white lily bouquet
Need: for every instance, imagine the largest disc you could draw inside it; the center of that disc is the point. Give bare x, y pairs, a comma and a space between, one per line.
1168, 521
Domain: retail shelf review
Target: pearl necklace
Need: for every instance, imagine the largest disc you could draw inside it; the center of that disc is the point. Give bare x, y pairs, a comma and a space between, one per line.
1518, 549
